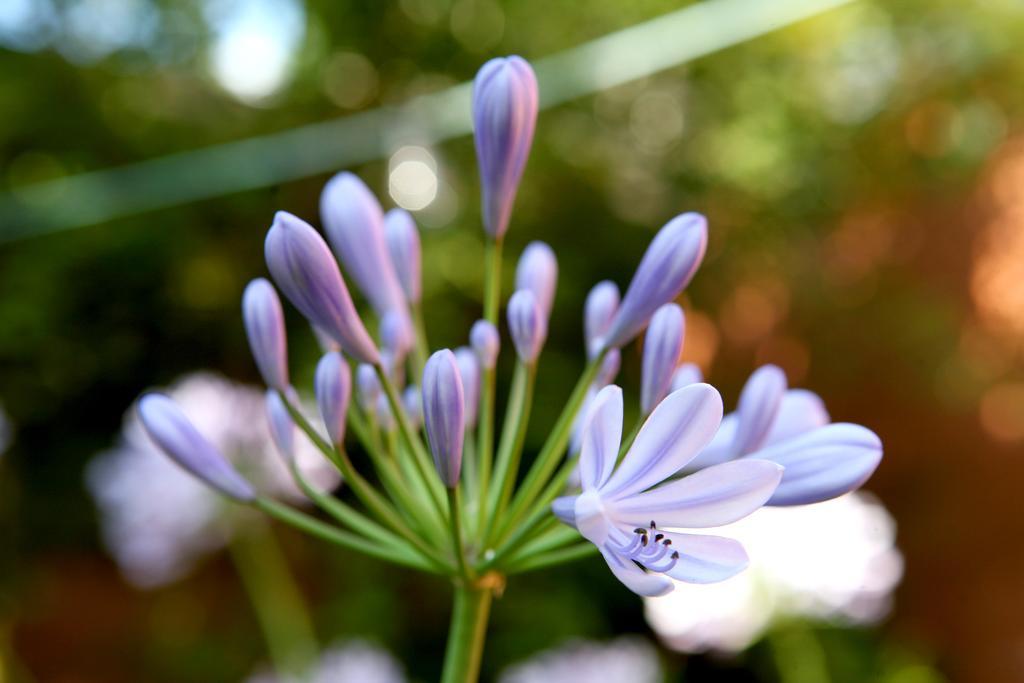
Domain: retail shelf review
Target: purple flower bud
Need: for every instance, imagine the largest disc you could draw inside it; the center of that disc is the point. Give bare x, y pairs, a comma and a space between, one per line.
305, 270
486, 342
537, 271
685, 375
368, 387
182, 442
469, 373
662, 346
504, 116
444, 414
333, 386
264, 326
385, 418
666, 268
413, 403
403, 240
609, 368
282, 429
396, 334
354, 223
598, 311
525, 325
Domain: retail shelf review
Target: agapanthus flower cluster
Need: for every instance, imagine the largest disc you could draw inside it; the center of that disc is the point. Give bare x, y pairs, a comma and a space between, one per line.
449, 492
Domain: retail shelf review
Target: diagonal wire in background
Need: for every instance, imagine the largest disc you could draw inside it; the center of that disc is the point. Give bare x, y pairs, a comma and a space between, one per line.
635, 52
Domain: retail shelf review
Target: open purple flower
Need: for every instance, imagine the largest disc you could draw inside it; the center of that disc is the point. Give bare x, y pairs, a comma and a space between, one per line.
626, 510
791, 427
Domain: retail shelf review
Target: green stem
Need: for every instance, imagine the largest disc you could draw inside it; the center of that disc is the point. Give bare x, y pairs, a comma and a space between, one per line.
413, 442
523, 530
549, 559
313, 526
455, 519
553, 448
513, 435
373, 532
799, 655
485, 442
275, 599
492, 278
466, 635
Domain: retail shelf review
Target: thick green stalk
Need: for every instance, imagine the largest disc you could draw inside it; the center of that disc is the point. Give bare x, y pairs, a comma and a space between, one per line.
513, 434
466, 635
400, 554
275, 599
553, 448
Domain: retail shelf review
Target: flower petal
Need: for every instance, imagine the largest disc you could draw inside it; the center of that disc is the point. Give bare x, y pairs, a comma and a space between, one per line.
602, 436
823, 464
634, 578
801, 411
565, 509
720, 448
706, 559
675, 432
720, 494
758, 407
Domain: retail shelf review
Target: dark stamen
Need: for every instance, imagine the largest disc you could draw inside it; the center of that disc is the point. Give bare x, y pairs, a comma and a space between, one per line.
658, 537
668, 541
675, 555
652, 525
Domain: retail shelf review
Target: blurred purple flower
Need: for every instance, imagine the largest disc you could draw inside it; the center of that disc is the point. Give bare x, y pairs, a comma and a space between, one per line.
791, 427
622, 510
686, 374
444, 414
486, 343
304, 268
525, 325
666, 268
537, 271
403, 240
598, 311
469, 372
354, 223
264, 326
504, 116
412, 400
662, 346
368, 388
333, 386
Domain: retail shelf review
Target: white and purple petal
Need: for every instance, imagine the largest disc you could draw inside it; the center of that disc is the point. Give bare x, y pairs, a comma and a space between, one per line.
718, 495
758, 407
602, 436
677, 430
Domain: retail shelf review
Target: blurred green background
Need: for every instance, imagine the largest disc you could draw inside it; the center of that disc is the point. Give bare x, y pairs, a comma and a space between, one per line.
863, 175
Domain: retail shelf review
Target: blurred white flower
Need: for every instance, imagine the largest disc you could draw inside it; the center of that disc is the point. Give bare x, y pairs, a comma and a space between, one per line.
628, 658
157, 520
355, 661
831, 561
